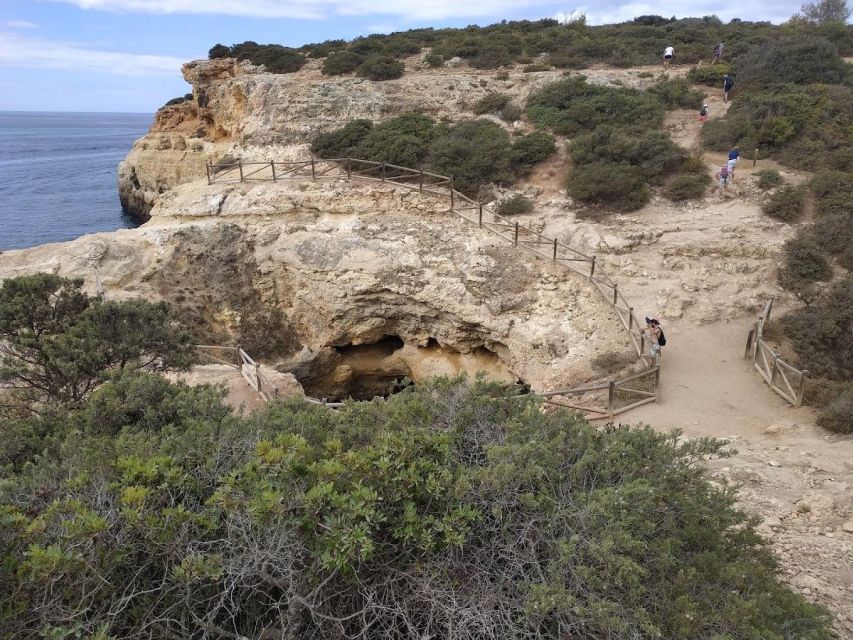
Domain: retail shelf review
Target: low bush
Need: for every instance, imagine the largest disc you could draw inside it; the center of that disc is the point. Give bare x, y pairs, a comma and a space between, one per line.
380, 67
711, 75
276, 58
804, 264
653, 152
786, 204
677, 92
502, 75
688, 187
822, 333
433, 60
341, 62
323, 49
800, 60
768, 179
491, 103
179, 100
619, 185
530, 149
343, 142
403, 140
568, 60
515, 205
571, 107
533, 68
474, 152
612, 362
511, 113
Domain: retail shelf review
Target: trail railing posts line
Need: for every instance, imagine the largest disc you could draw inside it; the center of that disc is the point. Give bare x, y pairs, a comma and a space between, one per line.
783, 378
485, 218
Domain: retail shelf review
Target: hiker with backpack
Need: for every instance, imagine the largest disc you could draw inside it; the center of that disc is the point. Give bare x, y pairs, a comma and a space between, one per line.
728, 83
718, 53
723, 177
656, 338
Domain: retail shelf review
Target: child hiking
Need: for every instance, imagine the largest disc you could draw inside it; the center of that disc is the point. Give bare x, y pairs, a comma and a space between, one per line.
723, 178
703, 114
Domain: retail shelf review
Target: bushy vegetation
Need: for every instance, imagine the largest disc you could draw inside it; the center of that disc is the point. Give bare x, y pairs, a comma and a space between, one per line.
619, 185
434, 60
380, 67
474, 152
515, 205
768, 179
572, 106
58, 343
688, 186
341, 62
711, 74
786, 204
187, 97
677, 92
491, 103
178, 519
276, 58
794, 60
805, 264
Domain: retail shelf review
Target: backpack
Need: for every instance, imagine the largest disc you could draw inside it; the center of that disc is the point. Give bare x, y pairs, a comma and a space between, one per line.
662, 339
729, 84
703, 111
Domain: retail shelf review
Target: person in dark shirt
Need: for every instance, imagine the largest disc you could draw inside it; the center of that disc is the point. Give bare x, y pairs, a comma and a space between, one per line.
703, 114
718, 53
728, 83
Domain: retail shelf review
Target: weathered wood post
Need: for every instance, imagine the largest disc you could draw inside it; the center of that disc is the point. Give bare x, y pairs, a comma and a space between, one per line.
272, 167
630, 318
611, 397
769, 309
756, 341
754, 157
349, 167
803, 375
592, 268
555, 250
515, 240
240, 165
421, 183
642, 344
313, 170
775, 369
451, 193
208, 172
383, 172
749, 338
657, 383
239, 359
615, 293
258, 376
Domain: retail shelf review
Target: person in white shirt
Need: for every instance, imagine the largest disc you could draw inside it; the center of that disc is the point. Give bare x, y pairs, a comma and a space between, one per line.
668, 55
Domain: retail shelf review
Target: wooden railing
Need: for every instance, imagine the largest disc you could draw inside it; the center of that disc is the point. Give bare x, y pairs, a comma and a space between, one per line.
784, 379
622, 394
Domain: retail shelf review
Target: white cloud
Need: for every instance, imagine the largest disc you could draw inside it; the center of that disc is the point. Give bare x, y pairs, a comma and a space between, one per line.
37, 53
314, 9
21, 24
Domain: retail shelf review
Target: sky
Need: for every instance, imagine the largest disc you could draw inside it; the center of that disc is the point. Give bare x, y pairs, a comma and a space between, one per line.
126, 55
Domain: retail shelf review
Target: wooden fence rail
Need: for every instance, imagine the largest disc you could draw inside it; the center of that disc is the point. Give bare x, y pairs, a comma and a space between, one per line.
783, 378
484, 217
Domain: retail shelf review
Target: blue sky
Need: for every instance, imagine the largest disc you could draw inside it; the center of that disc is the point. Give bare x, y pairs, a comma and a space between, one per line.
125, 55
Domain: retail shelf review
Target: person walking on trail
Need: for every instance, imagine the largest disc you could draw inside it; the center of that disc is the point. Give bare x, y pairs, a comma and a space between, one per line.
734, 158
703, 114
728, 83
656, 338
723, 178
718, 53
668, 55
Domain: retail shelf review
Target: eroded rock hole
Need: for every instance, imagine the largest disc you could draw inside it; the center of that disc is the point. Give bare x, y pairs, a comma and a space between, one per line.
388, 365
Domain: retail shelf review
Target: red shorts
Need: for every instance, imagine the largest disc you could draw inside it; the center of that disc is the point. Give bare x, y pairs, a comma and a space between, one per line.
703, 118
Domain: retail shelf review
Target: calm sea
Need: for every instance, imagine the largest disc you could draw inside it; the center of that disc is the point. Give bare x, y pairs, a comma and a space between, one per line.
58, 174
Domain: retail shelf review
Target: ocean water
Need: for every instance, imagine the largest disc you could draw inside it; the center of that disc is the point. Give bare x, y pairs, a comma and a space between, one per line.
58, 174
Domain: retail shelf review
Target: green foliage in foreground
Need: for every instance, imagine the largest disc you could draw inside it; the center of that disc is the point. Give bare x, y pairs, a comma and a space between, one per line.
276, 58
58, 343
450, 511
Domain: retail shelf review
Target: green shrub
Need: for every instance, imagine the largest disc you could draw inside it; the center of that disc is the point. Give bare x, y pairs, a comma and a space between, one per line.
532, 148
433, 60
677, 92
511, 112
653, 152
534, 68
403, 140
380, 68
768, 179
822, 333
514, 205
474, 152
786, 204
797, 60
179, 100
323, 49
825, 183
619, 185
711, 75
567, 60
274, 57
571, 107
833, 232
502, 75
837, 414
341, 62
805, 263
645, 74
491, 103
343, 142
688, 186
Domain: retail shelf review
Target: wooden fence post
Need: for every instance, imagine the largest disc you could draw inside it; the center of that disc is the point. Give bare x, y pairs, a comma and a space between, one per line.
611, 397
769, 309
240, 165
451, 193
642, 343
775, 369
515, 240
749, 338
657, 383
313, 174
480, 221
615, 293
630, 318
803, 375
755, 157
239, 359
208, 172
272, 166
258, 376
421, 183
592, 268
349, 167
756, 342
383, 172
555, 250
